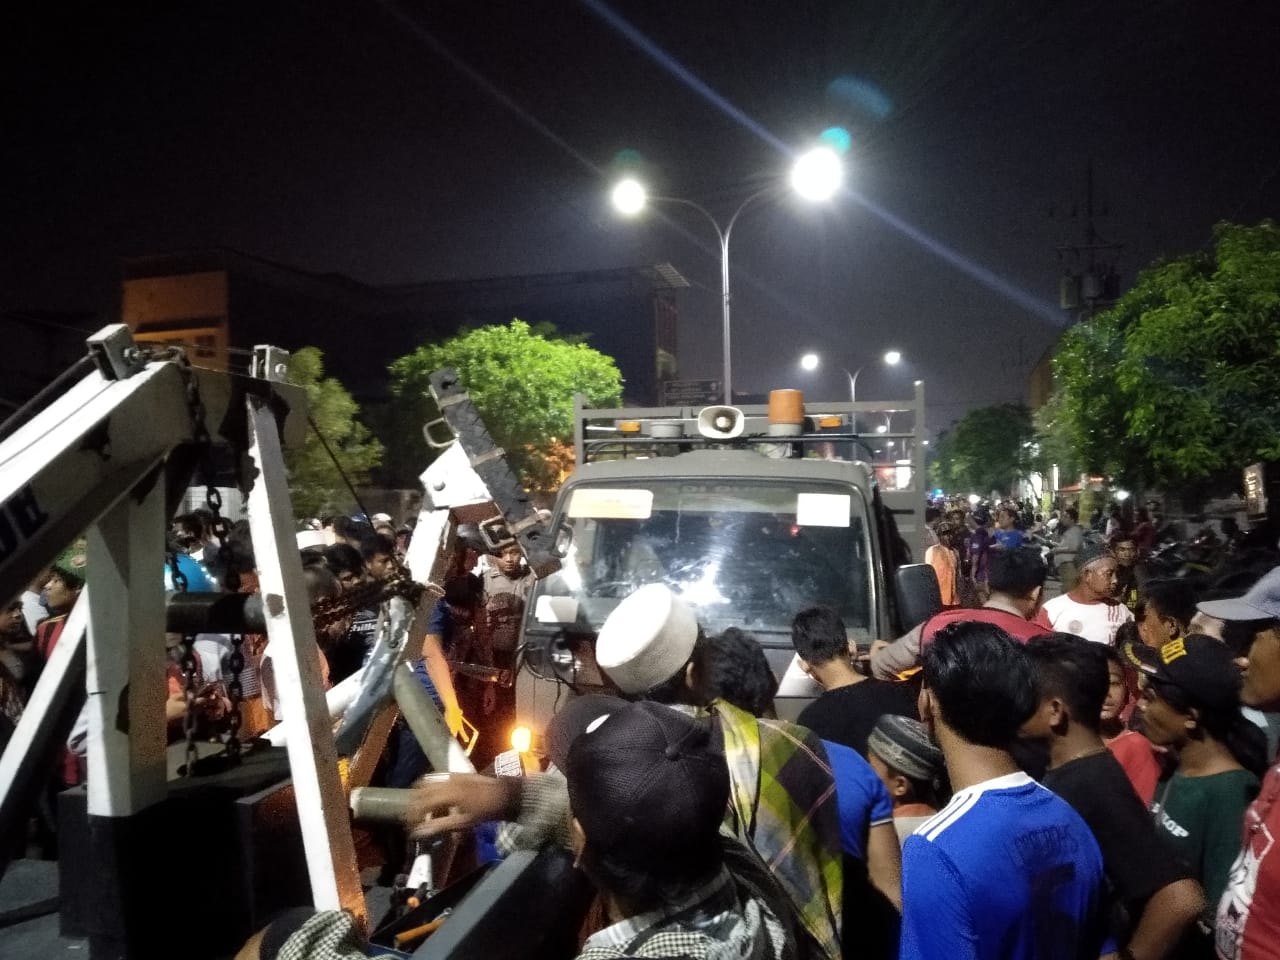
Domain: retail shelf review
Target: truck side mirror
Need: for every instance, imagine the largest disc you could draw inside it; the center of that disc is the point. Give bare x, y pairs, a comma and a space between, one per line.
563, 541
918, 595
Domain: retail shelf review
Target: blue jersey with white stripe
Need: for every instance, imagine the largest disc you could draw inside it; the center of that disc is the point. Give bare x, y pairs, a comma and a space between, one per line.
1006, 871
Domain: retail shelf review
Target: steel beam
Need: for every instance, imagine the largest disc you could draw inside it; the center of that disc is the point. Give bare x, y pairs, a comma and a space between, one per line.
313, 760
126, 657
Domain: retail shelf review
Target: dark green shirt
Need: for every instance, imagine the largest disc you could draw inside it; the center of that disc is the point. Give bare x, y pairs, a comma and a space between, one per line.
1201, 818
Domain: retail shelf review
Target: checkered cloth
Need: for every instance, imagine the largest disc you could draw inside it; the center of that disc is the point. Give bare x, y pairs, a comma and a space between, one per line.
713, 923
329, 935
783, 805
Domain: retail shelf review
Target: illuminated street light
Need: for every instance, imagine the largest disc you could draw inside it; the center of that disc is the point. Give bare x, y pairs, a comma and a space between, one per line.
816, 175
629, 197
883, 428
811, 361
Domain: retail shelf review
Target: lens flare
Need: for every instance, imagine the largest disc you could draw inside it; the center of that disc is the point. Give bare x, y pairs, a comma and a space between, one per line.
837, 138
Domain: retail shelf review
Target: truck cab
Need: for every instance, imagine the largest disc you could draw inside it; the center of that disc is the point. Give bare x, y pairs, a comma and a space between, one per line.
747, 520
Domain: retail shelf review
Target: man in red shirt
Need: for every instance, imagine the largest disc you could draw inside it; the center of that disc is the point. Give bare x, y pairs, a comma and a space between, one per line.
1016, 578
1248, 921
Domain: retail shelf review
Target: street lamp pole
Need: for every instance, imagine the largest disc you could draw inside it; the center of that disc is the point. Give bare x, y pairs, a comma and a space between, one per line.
723, 234
891, 358
853, 383
816, 175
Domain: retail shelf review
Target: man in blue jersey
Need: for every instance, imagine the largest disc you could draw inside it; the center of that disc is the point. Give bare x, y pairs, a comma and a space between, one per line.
1006, 870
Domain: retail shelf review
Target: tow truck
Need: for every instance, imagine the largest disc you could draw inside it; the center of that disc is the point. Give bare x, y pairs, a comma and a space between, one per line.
745, 510
750, 513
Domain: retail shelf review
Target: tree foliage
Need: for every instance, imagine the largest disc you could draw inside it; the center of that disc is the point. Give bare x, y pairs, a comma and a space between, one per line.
988, 449
314, 481
1178, 384
1055, 441
522, 380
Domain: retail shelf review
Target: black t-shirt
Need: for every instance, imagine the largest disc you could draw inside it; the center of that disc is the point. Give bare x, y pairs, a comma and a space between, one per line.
1136, 861
347, 655
847, 714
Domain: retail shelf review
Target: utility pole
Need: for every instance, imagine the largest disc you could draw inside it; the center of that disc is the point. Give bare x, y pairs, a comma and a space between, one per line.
1090, 278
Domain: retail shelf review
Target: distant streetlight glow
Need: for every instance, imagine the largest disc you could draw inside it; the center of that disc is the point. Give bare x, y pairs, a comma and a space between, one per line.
817, 174
883, 428
629, 197
811, 361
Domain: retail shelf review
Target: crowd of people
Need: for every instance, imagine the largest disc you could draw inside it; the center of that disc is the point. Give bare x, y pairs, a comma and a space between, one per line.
215, 677
1015, 779
1088, 775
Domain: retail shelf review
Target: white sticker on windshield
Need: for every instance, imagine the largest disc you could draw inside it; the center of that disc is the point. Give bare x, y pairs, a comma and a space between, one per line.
822, 509
556, 609
611, 503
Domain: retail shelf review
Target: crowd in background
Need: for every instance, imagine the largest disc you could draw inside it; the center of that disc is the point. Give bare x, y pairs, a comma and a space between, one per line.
1090, 774
1084, 776
221, 685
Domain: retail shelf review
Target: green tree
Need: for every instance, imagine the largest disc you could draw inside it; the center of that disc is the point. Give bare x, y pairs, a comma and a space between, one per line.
988, 449
522, 380
1178, 384
314, 480
1055, 441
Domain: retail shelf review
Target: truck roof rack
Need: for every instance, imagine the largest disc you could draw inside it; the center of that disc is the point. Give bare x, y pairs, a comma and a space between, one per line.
828, 427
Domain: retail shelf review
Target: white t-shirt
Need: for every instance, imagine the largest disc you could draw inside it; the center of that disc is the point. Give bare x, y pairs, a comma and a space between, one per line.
1093, 621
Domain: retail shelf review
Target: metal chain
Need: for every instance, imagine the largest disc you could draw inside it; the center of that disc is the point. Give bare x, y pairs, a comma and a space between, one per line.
187, 663
234, 694
219, 528
189, 720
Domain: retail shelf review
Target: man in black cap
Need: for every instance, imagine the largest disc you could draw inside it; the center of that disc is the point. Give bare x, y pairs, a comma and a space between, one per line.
648, 791
1191, 706
1248, 920
783, 805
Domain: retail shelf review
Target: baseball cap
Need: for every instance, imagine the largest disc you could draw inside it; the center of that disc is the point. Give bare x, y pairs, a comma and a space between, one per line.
905, 745
578, 714
647, 638
1199, 666
1261, 602
650, 788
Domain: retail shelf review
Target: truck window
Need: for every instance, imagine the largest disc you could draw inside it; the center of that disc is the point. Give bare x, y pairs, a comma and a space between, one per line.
746, 553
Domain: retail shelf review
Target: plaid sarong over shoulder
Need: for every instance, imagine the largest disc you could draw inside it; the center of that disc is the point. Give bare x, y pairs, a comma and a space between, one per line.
783, 805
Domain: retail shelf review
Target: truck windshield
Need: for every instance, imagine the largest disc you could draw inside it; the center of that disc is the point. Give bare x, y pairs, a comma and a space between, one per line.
746, 553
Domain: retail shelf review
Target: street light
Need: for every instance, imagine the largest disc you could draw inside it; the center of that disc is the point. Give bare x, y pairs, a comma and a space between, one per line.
816, 175
811, 362
629, 197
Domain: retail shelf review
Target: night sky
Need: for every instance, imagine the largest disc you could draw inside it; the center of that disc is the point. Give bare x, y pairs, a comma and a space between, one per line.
398, 142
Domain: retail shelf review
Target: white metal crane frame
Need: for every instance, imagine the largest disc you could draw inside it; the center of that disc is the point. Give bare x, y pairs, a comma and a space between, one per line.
95, 459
